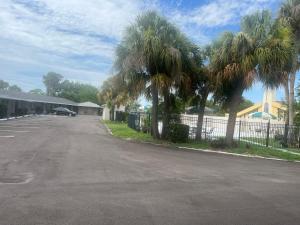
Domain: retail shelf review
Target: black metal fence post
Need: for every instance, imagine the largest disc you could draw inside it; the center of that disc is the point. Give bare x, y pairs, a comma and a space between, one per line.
298, 137
240, 130
268, 134
286, 133
205, 128
149, 124
139, 124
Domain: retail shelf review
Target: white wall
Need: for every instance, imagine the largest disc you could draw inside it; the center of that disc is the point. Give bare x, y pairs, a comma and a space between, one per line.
106, 112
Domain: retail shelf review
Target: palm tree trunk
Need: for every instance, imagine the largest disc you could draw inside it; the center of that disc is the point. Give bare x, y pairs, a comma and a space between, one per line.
202, 104
287, 97
233, 108
112, 113
291, 98
287, 94
166, 114
154, 120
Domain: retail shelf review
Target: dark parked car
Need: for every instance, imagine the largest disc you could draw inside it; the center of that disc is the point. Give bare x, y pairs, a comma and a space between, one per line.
64, 111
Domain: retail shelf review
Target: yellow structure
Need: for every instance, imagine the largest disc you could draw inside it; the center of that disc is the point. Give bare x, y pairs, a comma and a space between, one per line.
269, 106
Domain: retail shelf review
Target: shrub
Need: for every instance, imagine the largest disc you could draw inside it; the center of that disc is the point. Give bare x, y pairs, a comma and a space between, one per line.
179, 132
146, 124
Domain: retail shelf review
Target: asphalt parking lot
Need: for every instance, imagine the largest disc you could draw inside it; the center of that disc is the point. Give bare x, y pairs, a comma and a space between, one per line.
69, 170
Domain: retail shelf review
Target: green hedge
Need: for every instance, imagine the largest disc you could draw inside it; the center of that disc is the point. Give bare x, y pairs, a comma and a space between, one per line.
179, 132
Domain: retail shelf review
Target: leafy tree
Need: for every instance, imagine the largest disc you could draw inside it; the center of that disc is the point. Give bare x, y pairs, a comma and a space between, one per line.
37, 91
88, 93
3, 85
221, 111
176, 103
52, 82
78, 92
217, 107
74, 91
14, 88
132, 106
69, 90
245, 103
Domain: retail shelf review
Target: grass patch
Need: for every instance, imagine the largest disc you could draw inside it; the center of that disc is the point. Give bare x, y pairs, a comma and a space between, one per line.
265, 152
296, 150
121, 130
262, 141
272, 143
246, 149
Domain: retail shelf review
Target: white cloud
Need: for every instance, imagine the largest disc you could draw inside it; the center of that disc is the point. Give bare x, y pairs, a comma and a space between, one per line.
66, 27
74, 37
221, 13
213, 15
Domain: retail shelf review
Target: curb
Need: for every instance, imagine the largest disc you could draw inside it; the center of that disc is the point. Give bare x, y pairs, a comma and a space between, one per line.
107, 128
18, 117
220, 152
204, 150
237, 154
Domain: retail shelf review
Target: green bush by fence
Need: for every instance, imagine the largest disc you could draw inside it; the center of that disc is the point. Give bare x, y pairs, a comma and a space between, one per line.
179, 132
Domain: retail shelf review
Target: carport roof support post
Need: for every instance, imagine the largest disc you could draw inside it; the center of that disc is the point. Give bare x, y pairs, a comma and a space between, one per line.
11, 108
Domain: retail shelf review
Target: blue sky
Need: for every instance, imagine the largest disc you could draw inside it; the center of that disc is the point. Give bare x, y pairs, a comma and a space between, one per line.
77, 38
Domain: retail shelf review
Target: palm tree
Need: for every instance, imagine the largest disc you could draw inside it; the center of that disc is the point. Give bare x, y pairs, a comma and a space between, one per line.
114, 93
177, 76
290, 14
260, 52
273, 47
150, 58
233, 64
201, 85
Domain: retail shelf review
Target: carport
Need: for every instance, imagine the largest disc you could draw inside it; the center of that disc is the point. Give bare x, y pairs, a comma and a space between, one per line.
14, 104
88, 108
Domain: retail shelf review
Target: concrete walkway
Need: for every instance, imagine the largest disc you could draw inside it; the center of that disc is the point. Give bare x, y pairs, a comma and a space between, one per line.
66, 170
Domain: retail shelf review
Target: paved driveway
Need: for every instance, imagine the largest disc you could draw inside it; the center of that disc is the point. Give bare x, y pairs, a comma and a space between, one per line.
63, 170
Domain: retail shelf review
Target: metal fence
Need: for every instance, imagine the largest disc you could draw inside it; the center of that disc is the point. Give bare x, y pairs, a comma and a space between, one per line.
261, 133
120, 116
140, 121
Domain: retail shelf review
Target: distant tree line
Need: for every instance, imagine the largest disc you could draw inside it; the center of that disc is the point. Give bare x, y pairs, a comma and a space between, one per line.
75, 91
6, 86
58, 87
